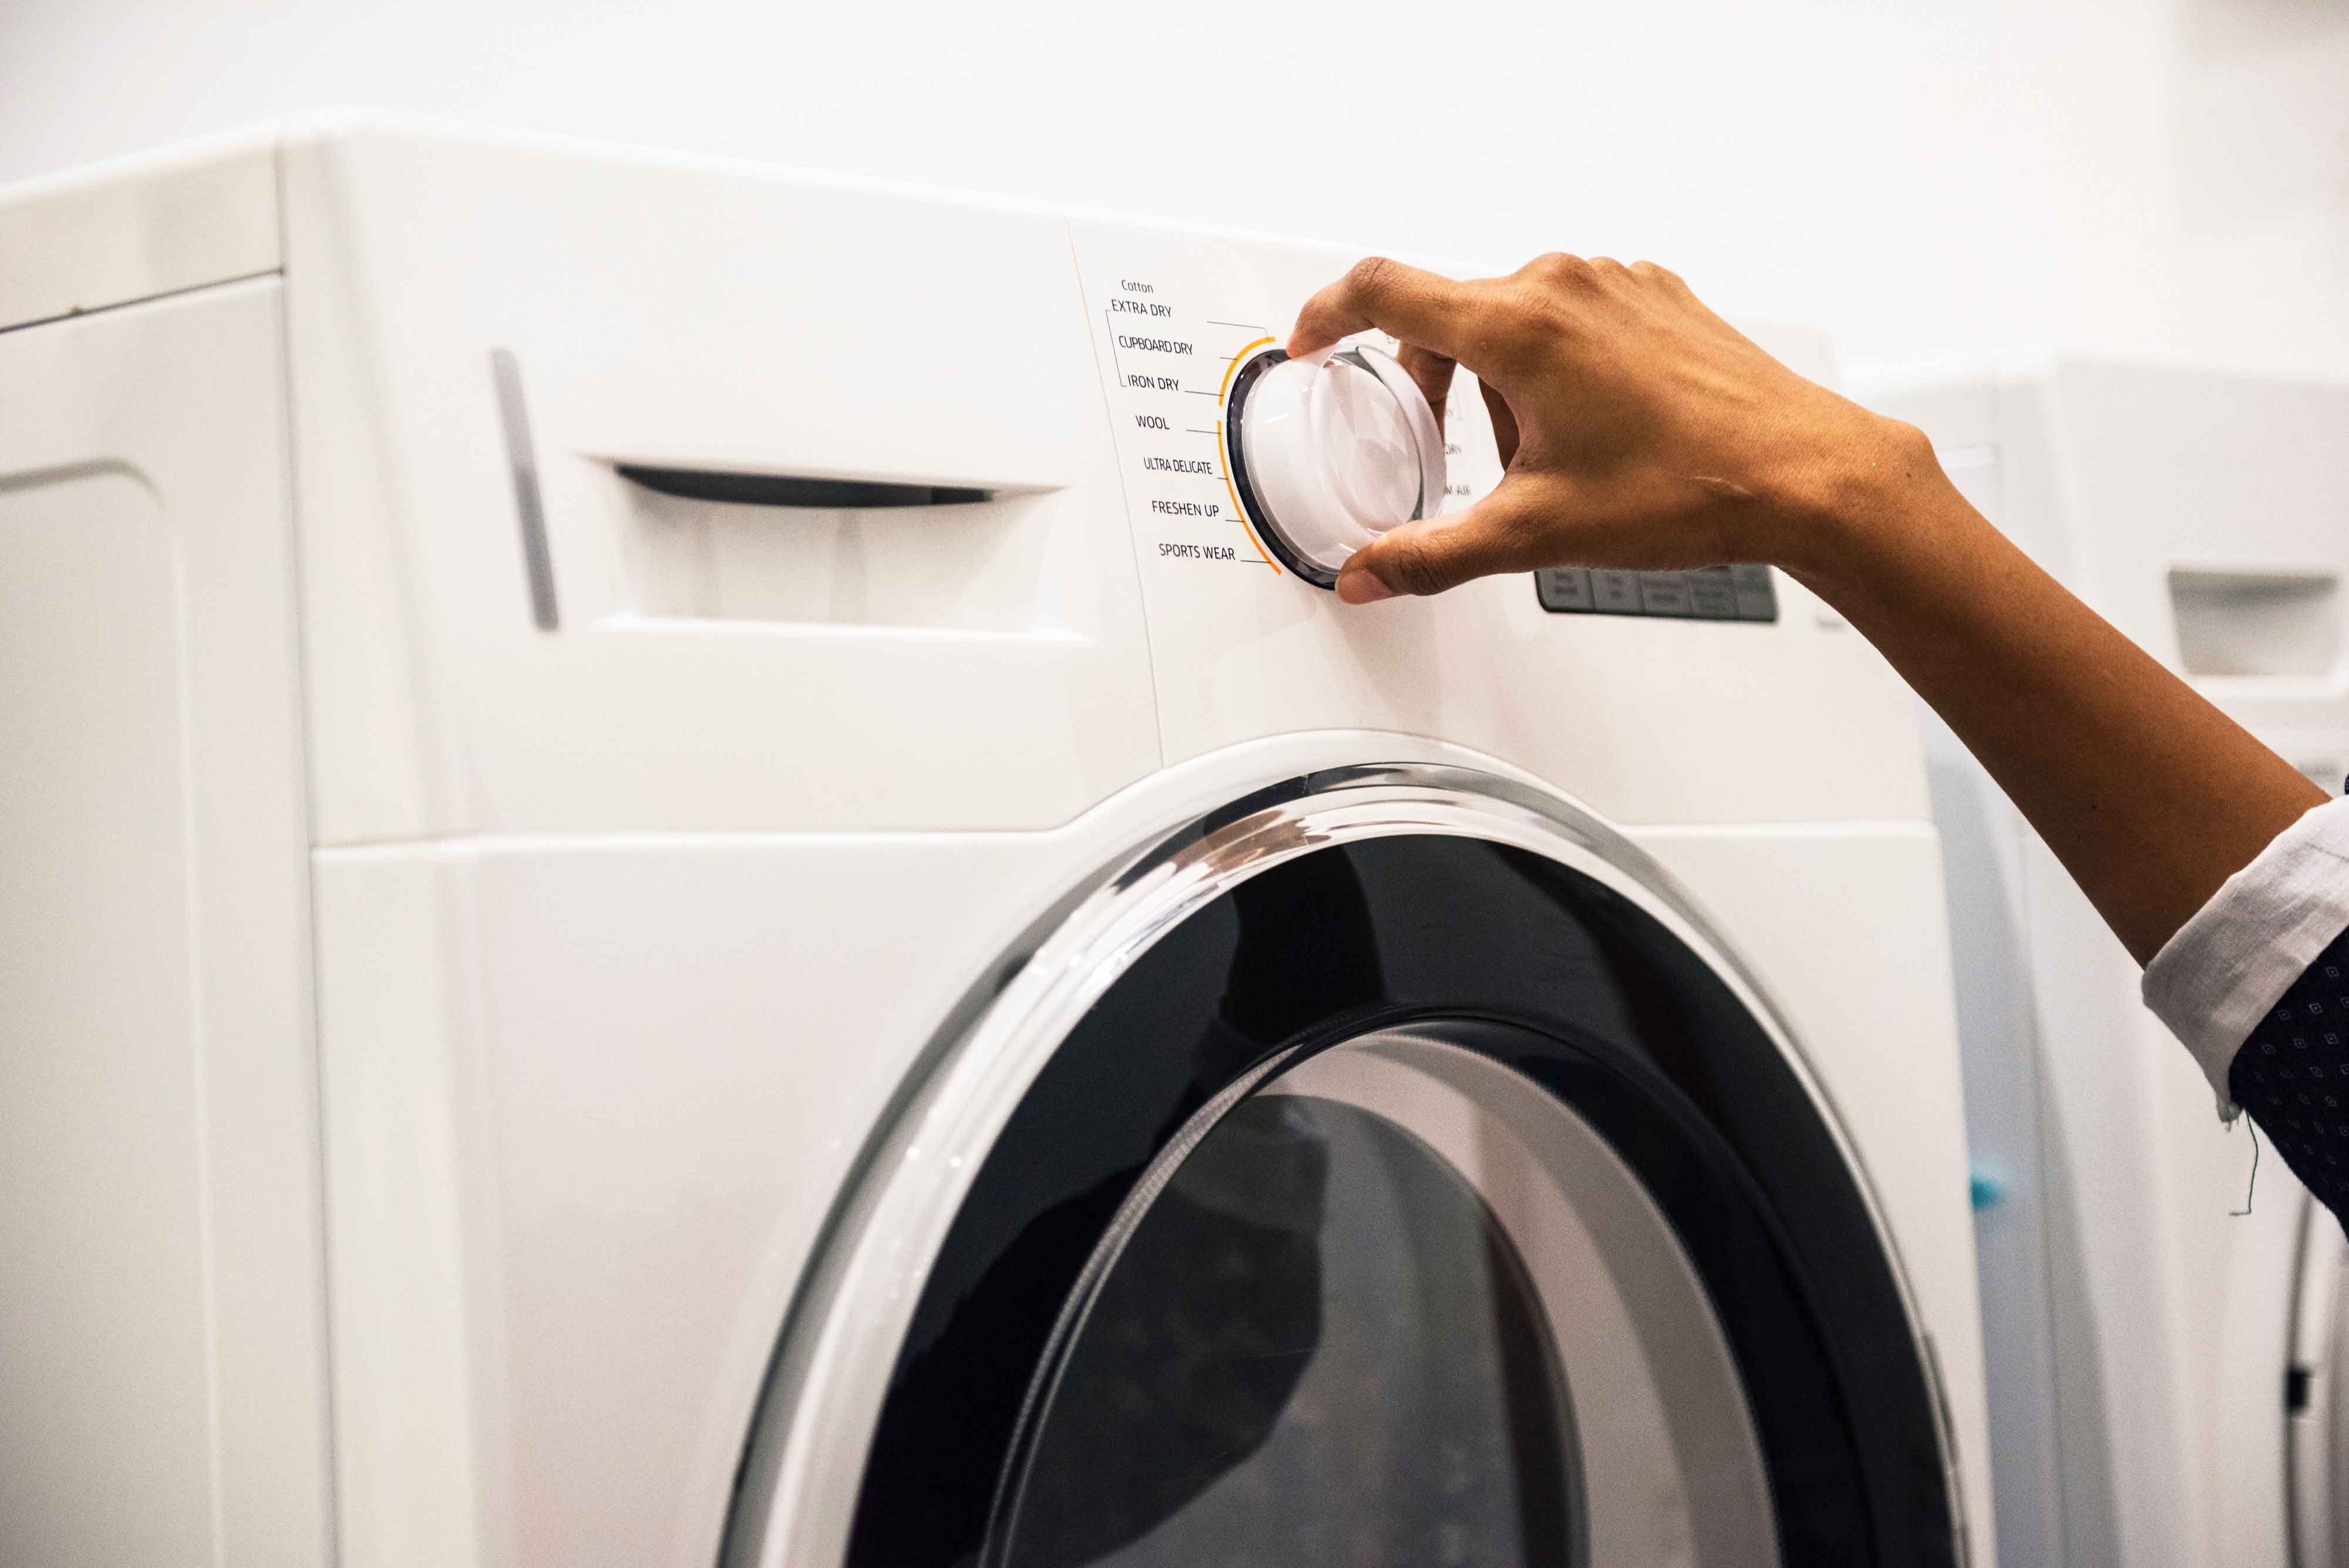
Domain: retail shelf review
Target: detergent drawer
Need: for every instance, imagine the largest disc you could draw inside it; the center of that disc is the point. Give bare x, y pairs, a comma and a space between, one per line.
641, 495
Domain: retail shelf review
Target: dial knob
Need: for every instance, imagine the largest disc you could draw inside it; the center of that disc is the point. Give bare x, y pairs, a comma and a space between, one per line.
1333, 452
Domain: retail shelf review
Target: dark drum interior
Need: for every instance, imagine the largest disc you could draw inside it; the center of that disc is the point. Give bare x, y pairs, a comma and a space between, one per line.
1190, 1313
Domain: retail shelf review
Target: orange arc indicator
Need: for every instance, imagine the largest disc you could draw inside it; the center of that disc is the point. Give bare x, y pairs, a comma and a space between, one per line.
1237, 509
1226, 390
1224, 468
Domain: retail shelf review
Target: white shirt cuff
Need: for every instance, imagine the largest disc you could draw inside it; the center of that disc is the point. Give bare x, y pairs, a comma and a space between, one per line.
2258, 933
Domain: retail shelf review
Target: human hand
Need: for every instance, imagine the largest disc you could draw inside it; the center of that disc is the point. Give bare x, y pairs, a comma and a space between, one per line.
1637, 428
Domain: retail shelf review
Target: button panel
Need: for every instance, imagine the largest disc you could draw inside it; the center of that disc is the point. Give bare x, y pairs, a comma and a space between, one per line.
1710, 593
1615, 592
1667, 593
1565, 589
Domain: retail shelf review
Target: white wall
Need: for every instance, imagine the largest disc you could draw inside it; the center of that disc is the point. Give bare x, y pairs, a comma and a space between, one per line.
2163, 176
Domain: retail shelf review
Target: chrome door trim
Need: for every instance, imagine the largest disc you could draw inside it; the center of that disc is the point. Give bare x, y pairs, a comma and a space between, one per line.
802, 1472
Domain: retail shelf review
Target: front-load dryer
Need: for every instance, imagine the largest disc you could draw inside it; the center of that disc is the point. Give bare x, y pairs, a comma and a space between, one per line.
711, 882
2142, 1276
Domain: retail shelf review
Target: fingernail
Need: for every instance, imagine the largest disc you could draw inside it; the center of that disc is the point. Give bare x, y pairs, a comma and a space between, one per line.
1363, 587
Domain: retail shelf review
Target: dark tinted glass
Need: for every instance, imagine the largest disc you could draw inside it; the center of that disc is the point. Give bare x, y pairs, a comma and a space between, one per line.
1315, 1346
1543, 971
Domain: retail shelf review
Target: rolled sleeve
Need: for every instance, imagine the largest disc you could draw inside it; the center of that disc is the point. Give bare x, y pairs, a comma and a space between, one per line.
2226, 967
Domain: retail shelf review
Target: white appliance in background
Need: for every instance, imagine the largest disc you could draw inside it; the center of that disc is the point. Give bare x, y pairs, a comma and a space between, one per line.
695, 875
2140, 1333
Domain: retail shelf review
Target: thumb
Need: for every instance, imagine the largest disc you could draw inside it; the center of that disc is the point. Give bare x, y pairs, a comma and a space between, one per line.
1502, 533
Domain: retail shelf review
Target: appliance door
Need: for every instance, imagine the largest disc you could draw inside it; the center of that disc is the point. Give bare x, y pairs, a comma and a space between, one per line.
164, 1394
2315, 1398
1386, 1170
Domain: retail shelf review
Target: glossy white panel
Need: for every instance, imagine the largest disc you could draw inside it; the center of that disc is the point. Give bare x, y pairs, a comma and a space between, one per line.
1845, 928
161, 1342
137, 228
2006, 1122
2119, 476
1649, 719
2207, 515
630, 930
716, 666
418, 1467
105, 1361
588, 1103
590, 1100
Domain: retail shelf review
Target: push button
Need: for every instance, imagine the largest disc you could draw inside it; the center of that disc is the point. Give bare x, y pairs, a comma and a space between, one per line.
1713, 593
1666, 593
1615, 592
1757, 599
1564, 590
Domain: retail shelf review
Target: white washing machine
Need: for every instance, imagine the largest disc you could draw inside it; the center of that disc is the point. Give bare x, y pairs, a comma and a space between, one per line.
2140, 1331
696, 876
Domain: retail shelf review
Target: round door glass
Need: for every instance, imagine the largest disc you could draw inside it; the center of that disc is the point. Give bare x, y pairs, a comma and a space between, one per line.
1316, 1347
1346, 1325
1553, 1261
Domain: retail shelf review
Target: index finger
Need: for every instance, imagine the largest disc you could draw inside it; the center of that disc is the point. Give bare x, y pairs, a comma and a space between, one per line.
1419, 308
1432, 373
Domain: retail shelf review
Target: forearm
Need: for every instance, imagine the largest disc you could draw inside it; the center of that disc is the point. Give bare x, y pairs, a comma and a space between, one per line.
2149, 794
1638, 430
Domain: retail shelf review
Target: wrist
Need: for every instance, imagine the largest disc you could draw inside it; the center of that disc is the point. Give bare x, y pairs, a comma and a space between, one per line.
1855, 501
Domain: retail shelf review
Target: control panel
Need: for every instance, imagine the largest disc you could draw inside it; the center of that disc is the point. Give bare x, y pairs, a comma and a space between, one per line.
1237, 458
1709, 592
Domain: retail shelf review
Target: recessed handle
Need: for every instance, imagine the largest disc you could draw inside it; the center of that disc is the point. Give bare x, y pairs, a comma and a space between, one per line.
741, 489
2257, 620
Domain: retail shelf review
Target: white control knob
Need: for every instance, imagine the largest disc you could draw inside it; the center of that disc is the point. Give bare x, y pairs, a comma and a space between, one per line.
1335, 451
